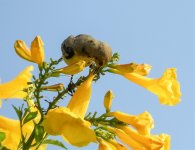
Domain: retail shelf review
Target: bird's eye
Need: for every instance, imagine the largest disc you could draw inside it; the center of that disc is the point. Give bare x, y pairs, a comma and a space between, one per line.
69, 53
68, 50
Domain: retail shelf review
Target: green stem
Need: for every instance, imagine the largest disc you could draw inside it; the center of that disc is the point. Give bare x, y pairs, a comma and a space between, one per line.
42, 78
21, 132
27, 145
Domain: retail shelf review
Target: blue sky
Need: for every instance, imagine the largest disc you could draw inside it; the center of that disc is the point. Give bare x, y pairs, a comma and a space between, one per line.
157, 32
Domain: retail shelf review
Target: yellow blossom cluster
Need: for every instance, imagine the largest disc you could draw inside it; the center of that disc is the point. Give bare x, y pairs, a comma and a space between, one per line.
69, 121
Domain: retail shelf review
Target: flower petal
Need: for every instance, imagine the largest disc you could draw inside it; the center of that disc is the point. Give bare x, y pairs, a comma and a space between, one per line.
118, 145
37, 50
127, 139
167, 88
104, 145
11, 128
22, 50
73, 68
142, 69
14, 88
78, 133
161, 142
81, 98
35, 54
108, 100
75, 130
142, 122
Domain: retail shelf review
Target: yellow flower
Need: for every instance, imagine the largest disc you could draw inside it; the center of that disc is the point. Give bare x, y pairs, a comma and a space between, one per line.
104, 145
72, 68
69, 121
74, 130
14, 88
81, 98
160, 142
34, 54
126, 139
142, 122
110, 145
117, 145
141, 142
142, 69
11, 128
167, 88
108, 100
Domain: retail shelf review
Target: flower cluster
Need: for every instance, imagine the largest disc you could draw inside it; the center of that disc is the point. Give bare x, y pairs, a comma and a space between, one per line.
113, 130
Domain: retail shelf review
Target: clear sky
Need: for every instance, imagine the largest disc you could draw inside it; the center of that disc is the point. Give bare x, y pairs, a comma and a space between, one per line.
157, 32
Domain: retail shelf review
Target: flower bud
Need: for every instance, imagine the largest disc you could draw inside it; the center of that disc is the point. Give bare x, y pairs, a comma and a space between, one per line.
55, 87
22, 50
108, 100
71, 69
33, 54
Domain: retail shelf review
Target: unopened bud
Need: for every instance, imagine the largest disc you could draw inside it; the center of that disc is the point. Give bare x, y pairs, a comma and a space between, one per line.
71, 69
108, 100
55, 87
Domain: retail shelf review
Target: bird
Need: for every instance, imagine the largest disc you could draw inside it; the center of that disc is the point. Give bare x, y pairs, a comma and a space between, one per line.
85, 47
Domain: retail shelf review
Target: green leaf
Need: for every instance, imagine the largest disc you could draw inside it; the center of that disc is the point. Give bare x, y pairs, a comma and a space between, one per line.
3, 148
18, 112
39, 133
54, 142
2, 136
26, 110
30, 116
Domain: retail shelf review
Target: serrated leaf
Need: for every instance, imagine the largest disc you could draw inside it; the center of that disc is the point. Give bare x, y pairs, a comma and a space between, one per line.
2, 136
18, 112
54, 142
30, 116
39, 132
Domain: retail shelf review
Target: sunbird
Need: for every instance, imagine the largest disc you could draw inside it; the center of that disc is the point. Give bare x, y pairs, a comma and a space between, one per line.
85, 47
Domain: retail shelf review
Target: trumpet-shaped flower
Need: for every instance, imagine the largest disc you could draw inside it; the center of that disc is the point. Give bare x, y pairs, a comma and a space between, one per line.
81, 98
142, 69
34, 54
142, 122
71, 69
142, 142
108, 100
11, 128
160, 142
128, 140
69, 121
74, 130
14, 88
167, 88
